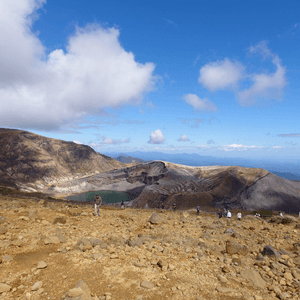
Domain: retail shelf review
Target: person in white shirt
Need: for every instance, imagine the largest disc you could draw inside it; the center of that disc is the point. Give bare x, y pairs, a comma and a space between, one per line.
228, 214
239, 216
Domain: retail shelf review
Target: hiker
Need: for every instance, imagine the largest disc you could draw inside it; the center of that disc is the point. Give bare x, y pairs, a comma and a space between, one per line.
220, 214
225, 213
239, 216
162, 208
122, 204
97, 203
257, 215
198, 210
280, 215
228, 214
174, 206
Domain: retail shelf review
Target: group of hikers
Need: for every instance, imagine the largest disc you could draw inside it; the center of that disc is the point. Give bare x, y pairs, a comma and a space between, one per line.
226, 213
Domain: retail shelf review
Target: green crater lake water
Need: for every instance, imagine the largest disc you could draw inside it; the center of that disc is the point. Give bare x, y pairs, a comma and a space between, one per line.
107, 196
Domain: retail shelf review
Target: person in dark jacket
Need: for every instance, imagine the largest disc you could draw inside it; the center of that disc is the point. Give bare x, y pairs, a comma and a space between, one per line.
198, 210
97, 204
122, 204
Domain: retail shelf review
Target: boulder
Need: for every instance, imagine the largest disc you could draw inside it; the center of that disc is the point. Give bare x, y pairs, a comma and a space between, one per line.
51, 240
3, 230
156, 219
235, 248
80, 292
4, 288
41, 265
270, 251
147, 284
60, 219
254, 277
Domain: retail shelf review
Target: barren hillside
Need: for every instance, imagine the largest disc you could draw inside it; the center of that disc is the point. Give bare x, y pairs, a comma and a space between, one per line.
32, 162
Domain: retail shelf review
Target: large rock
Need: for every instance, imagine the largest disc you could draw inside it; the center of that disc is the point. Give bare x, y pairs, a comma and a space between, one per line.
236, 248
156, 219
270, 251
4, 288
254, 277
80, 292
60, 219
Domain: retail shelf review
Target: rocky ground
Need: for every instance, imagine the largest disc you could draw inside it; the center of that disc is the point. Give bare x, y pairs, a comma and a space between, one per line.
61, 251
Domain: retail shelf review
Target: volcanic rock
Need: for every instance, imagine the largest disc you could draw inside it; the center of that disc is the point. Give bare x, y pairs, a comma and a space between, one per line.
156, 219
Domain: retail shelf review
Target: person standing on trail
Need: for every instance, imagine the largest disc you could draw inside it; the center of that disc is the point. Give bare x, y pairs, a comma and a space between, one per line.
122, 204
97, 203
198, 210
239, 216
220, 214
162, 208
228, 214
174, 206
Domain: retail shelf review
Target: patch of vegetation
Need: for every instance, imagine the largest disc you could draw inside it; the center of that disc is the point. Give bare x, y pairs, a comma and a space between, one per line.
105, 156
5, 191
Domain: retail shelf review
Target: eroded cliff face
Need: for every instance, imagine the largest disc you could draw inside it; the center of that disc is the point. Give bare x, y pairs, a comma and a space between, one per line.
32, 162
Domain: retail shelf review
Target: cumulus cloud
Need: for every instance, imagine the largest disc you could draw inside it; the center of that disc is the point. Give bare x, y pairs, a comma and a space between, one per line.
94, 72
183, 138
203, 105
210, 142
289, 135
156, 137
109, 141
227, 74
221, 74
266, 86
77, 142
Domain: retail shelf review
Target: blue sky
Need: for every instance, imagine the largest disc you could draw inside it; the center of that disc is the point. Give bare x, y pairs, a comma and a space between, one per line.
216, 78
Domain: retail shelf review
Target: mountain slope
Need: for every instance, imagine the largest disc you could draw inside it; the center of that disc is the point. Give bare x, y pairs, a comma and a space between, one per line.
32, 162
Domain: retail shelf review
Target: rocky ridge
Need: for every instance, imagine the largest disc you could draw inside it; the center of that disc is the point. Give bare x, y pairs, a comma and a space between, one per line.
59, 251
31, 162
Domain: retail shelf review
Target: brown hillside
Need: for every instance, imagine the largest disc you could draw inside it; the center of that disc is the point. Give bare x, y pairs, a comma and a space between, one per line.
31, 162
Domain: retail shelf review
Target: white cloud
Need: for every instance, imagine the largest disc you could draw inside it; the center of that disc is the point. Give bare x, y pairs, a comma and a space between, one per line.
226, 74
268, 86
238, 147
156, 137
203, 147
203, 105
277, 147
95, 72
113, 142
221, 74
77, 142
183, 138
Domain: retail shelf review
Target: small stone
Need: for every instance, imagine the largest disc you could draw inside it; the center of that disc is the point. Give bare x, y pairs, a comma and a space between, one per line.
171, 267
37, 286
257, 297
161, 263
147, 284
7, 258
222, 279
4, 288
75, 292
225, 269
41, 265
